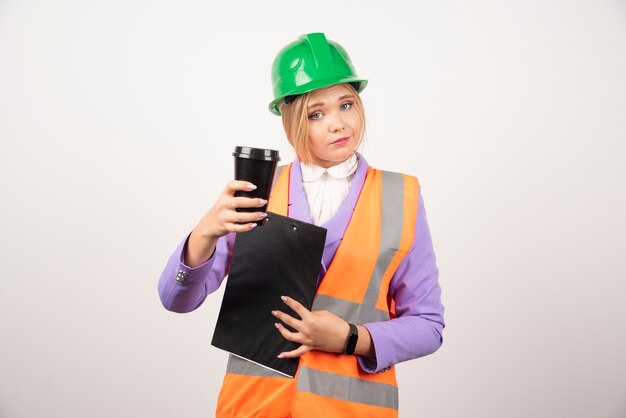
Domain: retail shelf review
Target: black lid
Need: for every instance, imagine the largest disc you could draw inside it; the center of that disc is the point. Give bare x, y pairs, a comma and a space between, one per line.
256, 153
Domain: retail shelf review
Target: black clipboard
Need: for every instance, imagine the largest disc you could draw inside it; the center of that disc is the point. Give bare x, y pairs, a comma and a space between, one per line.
281, 257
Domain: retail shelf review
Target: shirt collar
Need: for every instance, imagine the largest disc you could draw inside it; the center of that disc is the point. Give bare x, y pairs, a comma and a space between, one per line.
312, 172
299, 207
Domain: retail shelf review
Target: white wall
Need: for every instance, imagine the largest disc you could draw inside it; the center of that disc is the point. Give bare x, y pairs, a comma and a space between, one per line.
117, 120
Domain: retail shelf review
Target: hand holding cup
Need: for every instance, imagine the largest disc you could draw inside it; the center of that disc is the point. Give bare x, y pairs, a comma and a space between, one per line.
223, 218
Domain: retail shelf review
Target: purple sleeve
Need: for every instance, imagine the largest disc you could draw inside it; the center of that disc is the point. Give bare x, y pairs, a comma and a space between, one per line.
417, 329
182, 288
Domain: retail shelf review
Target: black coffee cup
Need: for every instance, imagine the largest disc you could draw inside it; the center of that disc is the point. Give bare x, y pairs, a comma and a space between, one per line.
256, 165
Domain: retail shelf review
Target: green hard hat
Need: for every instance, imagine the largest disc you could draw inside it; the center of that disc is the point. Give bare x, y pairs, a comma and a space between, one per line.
310, 63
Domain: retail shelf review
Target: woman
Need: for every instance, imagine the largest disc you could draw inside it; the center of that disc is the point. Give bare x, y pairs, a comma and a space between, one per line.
378, 298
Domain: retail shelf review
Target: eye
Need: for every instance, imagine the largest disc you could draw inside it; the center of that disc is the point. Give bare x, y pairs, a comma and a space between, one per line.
346, 106
315, 115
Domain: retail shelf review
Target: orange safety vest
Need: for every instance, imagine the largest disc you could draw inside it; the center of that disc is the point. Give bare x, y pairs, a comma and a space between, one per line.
355, 287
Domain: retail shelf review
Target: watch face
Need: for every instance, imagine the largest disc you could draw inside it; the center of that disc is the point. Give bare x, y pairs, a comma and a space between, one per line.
353, 337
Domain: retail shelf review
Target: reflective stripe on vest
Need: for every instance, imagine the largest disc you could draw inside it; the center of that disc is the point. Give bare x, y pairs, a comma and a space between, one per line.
341, 387
379, 235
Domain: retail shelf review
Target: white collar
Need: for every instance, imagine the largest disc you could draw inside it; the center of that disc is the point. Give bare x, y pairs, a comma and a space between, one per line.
312, 172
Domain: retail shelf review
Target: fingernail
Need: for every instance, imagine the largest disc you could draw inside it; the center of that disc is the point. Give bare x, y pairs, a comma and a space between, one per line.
250, 186
263, 215
274, 313
263, 201
276, 325
281, 356
251, 225
284, 298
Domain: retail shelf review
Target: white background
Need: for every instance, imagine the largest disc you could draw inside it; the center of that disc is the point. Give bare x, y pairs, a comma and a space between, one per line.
117, 123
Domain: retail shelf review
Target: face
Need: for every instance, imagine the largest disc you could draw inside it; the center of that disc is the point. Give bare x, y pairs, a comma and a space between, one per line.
334, 125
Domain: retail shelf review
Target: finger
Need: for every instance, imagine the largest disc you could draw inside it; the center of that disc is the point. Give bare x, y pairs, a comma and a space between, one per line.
295, 353
243, 217
288, 335
288, 319
246, 202
296, 306
239, 185
238, 228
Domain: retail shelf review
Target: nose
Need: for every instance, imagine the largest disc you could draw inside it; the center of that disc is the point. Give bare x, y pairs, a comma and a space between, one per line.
335, 123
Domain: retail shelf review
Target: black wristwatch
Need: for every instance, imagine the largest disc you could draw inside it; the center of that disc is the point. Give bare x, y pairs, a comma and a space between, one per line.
353, 337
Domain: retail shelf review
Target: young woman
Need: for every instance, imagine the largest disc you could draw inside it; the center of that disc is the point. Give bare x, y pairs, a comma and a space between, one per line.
378, 297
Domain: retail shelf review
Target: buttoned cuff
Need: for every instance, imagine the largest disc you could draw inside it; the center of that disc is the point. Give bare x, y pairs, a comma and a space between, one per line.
189, 275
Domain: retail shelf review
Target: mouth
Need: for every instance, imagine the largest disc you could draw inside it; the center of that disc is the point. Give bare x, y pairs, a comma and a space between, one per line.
341, 141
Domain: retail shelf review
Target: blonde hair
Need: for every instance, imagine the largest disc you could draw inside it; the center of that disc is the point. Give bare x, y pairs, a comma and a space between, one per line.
296, 123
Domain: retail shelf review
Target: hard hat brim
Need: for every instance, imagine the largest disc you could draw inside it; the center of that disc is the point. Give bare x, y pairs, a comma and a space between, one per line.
314, 85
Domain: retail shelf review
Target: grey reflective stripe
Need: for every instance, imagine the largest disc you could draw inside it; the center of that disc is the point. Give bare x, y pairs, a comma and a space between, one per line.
279, 170
237, 365
390, 236
347, 388
349, 311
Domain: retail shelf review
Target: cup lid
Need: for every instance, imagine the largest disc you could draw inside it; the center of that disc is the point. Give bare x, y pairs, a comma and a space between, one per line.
256, 153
